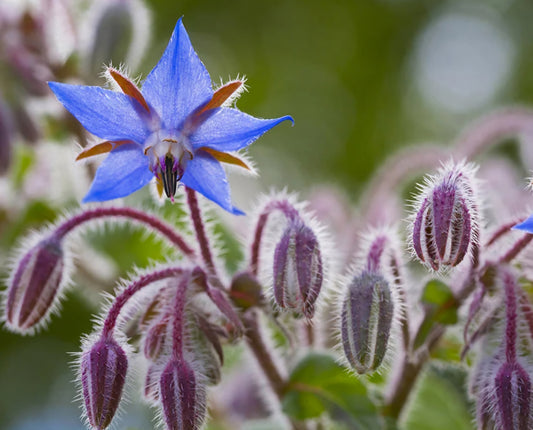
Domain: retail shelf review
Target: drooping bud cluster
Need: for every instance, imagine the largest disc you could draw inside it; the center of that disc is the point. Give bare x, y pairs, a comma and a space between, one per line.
35, 285
445, 225
298, 270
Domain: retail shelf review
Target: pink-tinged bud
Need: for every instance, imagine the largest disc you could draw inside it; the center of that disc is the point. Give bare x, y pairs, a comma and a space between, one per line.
503, 394
103, 373
367, 316
298, 271
181, 396
34, 286
156, 339
513, 393
445, 224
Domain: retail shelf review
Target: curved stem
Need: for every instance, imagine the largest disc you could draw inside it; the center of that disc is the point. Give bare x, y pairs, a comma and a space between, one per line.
130, 290
394, 172
290, 213
491, 129
516, 248
262, 354
201, 236
502, 230
156, 224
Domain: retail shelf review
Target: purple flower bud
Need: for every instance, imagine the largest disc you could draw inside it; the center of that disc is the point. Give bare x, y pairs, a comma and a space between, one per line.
445, 225
181, 396
366, 321
503, 394
298, 271
513, 393
34, 286
103, 373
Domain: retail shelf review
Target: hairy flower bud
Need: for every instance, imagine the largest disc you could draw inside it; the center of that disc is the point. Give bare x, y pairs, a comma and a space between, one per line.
503, 394
34, 286
298, 271
445, 224
366, 321
181, 396
103, 373
513, 392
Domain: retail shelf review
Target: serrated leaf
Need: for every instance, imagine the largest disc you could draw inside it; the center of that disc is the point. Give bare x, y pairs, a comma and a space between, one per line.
319, 384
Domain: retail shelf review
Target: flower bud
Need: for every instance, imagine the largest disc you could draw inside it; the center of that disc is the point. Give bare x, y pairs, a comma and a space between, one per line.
181, 396
502, 391
367, 315
34, 286
513, 393
103, 373
298, 271
246, 291
446, 222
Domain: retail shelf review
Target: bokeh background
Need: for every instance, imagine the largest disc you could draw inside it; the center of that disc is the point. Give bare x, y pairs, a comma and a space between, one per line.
360, 77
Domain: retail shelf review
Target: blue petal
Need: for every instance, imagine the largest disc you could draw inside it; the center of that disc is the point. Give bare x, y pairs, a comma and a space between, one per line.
526, 225
205, 175
179, 83
124, 171
107, 114
231, 130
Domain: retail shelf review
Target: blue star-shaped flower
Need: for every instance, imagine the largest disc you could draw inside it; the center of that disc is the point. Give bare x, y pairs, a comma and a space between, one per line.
176, 128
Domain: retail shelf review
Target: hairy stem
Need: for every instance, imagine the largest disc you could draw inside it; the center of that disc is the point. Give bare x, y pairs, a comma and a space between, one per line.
201, 236
130, 290
167, 231
180, 300
290, 213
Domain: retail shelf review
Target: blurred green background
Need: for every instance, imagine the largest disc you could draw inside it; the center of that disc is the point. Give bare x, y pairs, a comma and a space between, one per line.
360, 77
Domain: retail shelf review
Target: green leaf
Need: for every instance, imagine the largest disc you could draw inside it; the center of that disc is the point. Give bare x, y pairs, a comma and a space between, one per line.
439, 403
319, 384
440, 307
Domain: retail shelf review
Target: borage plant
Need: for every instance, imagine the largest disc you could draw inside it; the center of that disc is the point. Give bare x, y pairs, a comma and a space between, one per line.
353, 331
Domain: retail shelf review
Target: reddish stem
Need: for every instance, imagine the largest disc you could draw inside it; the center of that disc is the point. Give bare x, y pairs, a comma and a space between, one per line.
510, 326
130, 290
290, 213
131, 214
179, 314
201, 236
